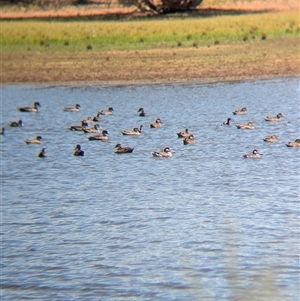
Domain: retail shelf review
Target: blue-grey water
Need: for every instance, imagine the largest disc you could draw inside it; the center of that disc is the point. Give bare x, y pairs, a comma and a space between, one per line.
206, 224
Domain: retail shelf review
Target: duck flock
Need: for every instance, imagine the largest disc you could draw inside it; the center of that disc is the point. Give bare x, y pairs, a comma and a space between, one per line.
92, 127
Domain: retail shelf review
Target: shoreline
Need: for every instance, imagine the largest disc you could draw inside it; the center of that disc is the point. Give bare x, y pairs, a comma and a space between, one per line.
143, 82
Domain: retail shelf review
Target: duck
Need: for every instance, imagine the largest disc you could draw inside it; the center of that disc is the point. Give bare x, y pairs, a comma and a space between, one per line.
189, 140
134, 132
255, 154
97, 117
123, 150
88, 120
296, 143
271, 139
33, 109
78, 151
156, 124
142, 112
42, 153
248, 126
37, 140
16, 123
276, 118
109, 111
95, 129
101, 137
242, 111
2, 131
78, 127
165, 153
183, 134
226, 122
72, 109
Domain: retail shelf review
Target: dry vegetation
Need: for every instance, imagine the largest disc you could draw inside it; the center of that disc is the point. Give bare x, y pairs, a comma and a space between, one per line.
105, 8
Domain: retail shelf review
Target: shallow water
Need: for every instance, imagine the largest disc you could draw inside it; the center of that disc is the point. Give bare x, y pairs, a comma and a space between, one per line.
205, 224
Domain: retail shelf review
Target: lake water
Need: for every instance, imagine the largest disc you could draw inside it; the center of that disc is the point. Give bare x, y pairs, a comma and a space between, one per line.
206, 224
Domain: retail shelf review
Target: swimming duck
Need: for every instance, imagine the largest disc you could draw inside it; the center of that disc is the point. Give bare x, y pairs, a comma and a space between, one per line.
42, 153
123, 150
109, 111
135, 131
2, 131
37, 140
183, 134
95, 129
189, 140
16, 123
97, 117
242, 111
272, 118
165, 153
142, 112
88, 120
78, 127
255, 154
296, 143
248, 126
227, 122
33, 109
271, 139
72, 109
156, 124
101, 137
78, 151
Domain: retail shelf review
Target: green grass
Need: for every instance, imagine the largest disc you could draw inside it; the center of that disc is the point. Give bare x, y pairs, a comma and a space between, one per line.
145, 34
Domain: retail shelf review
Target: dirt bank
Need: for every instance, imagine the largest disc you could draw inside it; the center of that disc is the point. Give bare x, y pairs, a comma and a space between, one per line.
249, 60
252, 59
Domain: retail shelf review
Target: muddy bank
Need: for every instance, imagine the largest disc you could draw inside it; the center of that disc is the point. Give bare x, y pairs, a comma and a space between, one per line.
249, 60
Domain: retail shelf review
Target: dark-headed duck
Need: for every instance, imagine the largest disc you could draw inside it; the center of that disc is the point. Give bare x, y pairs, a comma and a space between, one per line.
134, 132
255, 154
248, 126
189, 140
296, 143
95, 129
101, 137
16, 123
227, 122
276, 118
165, 153
109, 111
156, 124
142, 112
271, 139
33, 109
42, 153
78, 151
72, 109
78, 127
183, 134
242, 111
97, 117
37, 140
122, 150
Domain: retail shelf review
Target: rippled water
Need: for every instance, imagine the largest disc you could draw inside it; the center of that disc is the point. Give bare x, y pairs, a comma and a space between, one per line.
205, 224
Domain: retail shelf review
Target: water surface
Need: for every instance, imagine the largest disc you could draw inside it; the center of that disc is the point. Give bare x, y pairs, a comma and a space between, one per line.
205, 224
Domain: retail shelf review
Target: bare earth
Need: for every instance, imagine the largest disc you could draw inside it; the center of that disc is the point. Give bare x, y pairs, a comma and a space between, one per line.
252, 59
